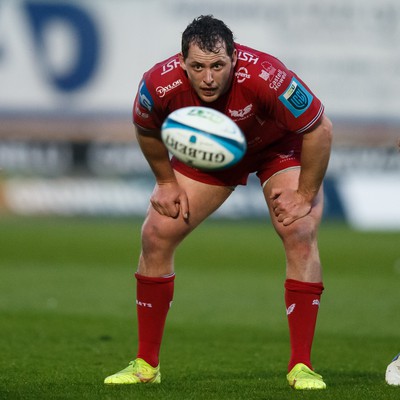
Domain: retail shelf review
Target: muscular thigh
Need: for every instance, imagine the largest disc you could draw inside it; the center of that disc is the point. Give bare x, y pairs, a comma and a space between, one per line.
203, 198
289, 179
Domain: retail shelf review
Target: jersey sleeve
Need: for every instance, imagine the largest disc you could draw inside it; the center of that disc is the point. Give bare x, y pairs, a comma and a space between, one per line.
292, 104
146, 112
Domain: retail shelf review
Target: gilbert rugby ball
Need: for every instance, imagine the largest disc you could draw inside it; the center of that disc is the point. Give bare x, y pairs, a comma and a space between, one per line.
203, 138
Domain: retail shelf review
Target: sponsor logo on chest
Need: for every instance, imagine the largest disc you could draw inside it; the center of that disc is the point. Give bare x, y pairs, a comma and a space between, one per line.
170, 66
162, 90
272, 75
242, 113
242, 74
249, 57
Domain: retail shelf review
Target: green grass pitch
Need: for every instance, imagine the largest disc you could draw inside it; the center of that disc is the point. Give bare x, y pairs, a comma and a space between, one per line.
67, 314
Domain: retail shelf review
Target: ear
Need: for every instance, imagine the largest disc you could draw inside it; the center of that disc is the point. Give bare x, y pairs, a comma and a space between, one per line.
234, 57
182, 61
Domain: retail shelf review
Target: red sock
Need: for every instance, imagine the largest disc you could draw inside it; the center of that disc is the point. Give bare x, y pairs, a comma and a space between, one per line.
153, 300
302, 304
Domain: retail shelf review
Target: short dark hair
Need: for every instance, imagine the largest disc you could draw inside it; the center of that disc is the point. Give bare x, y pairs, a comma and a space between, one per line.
207, 32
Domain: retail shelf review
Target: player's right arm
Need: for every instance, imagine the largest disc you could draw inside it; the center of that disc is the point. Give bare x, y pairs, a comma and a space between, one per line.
168, 198
149, 112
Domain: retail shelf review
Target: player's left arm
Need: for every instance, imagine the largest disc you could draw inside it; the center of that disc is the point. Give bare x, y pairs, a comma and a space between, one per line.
290, 205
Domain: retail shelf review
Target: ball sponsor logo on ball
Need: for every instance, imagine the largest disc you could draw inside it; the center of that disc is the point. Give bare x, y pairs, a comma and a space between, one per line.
203, 138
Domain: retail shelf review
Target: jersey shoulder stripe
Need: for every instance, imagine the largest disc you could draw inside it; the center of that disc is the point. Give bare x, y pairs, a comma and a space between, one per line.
314, 120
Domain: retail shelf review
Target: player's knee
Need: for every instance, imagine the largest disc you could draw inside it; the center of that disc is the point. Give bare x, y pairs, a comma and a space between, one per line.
302, 232
160, 235
152, 234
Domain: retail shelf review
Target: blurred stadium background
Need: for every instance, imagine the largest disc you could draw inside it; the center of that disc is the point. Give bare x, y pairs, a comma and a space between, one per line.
69, 71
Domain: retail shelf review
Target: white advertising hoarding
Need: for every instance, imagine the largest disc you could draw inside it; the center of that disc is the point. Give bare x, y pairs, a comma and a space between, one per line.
88, 56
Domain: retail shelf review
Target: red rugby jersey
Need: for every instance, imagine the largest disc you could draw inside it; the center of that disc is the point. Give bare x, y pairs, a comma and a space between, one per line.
266, 100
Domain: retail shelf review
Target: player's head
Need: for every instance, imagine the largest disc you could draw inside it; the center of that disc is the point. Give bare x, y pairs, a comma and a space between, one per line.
208, 56
208, 33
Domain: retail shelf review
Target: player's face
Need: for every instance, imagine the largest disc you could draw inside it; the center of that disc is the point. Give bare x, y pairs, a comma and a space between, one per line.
210, 74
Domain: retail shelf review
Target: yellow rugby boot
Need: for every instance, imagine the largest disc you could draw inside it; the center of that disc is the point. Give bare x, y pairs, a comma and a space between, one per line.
303, 378
138, 371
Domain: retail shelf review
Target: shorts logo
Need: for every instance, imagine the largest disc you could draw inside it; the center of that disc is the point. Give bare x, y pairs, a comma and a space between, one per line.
286, 155
297, 99
145, 98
